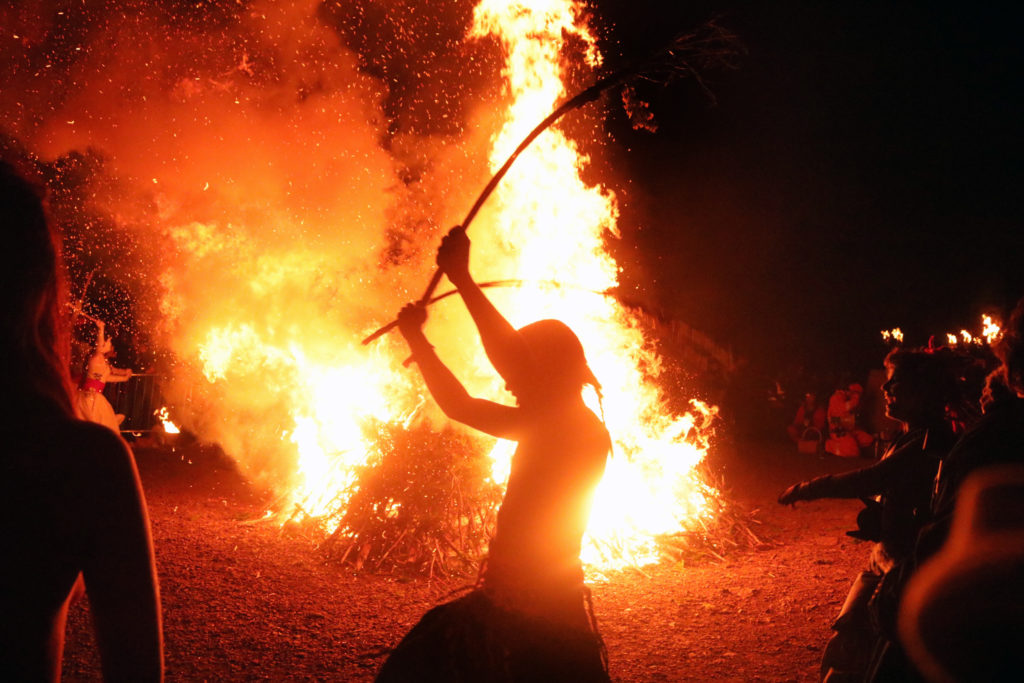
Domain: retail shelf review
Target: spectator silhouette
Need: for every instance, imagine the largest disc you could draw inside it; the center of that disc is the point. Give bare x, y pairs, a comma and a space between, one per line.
528, 619
961, 617
897, 490
71, 507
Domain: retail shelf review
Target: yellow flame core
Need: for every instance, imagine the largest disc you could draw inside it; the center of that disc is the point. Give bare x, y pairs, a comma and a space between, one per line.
990, 329
895, 334
553, 225
165, 421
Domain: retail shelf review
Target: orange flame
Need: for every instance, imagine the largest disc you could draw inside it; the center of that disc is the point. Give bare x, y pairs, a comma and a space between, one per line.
990, 329
556, 223
989, 334
895, 334
165, 421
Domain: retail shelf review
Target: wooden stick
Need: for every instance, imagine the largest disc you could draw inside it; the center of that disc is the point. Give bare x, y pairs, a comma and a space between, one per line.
588, 95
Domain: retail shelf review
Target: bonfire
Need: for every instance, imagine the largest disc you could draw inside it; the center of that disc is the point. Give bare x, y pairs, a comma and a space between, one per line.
263, 229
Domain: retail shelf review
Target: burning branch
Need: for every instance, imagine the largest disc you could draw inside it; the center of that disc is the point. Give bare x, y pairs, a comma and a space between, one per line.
688, 54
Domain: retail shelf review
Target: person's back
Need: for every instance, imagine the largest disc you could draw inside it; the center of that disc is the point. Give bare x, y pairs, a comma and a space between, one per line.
71, 504
556, 468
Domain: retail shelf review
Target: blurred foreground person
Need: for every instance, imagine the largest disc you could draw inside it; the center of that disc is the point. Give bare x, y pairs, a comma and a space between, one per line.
897, 491
71, 507
92, 404
529, 618
962, 615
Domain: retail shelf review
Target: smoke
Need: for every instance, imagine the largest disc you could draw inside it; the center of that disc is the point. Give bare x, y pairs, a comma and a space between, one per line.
264, 181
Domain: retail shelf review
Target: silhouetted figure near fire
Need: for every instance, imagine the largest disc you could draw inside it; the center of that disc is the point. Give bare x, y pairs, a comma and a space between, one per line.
92, 404
963, 610
529, 618
71, 508
897, 491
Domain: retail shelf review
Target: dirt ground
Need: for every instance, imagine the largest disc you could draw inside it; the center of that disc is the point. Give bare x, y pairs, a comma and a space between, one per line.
244, 601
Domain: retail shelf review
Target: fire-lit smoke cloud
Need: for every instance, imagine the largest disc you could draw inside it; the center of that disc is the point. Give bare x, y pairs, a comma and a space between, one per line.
275, 177
250, 156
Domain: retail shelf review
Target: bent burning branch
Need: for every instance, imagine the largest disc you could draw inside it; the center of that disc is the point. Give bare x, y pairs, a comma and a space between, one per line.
688, 54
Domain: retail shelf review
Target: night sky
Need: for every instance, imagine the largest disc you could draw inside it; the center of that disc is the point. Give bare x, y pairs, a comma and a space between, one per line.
861, 170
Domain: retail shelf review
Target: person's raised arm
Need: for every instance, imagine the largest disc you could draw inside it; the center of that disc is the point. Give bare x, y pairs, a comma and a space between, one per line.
504, 346
119, 571
119, 374
448, 392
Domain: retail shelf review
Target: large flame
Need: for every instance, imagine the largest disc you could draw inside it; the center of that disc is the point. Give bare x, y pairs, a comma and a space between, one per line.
283, 231
554, 224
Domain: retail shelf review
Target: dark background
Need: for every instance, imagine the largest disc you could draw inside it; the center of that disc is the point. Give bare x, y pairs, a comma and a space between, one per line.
860, 171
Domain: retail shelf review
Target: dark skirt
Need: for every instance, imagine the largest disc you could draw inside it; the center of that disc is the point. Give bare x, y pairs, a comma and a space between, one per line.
473, 639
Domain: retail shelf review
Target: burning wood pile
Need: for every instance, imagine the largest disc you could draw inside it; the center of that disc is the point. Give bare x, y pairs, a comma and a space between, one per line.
275, 186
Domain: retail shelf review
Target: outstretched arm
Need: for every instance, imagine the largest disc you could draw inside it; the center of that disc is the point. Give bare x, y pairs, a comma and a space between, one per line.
504, 346
119, 374
451, 396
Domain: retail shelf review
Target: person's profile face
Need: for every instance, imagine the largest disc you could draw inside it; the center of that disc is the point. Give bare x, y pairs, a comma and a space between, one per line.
903, 398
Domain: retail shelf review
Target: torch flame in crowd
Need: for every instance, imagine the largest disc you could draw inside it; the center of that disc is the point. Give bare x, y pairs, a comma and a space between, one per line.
990, 333
895, 335
283, 232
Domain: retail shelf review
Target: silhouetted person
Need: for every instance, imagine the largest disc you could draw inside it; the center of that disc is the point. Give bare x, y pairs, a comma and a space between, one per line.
963, 614
528, 620
71, 507
92, 404
897, 489
998, 437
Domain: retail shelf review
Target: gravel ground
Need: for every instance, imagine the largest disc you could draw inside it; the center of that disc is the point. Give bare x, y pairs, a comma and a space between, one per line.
243, 600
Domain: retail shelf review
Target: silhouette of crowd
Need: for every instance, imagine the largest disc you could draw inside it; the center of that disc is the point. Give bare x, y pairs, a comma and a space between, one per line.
940, 598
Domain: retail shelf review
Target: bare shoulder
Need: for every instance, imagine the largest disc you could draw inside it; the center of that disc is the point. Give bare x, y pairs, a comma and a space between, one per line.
91, 451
